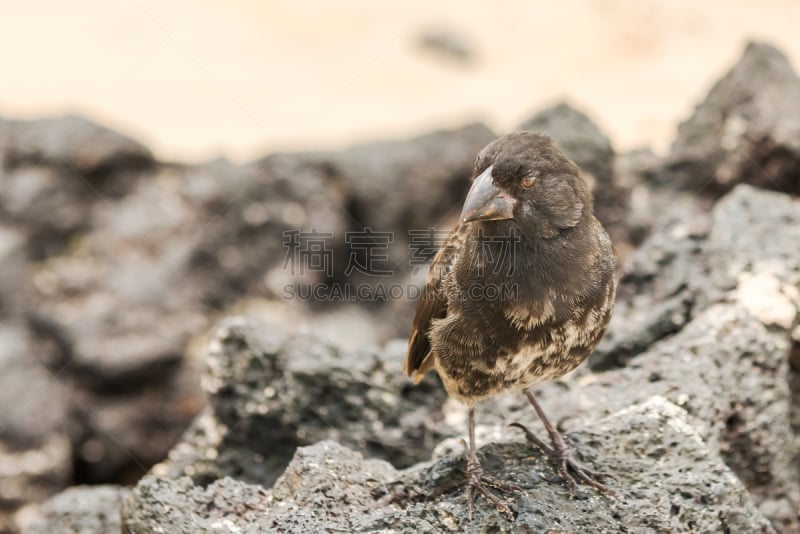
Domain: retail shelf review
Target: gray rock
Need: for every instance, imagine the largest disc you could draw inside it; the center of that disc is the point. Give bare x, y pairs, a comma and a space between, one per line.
50, 206
120, 299
734, 254
27, 385
659, 284
730, 373
208, 451
118, 307
794, 384
752, 254
668, 481
70, 142
80, 510
746, 257
175, 249
245, 247
120, 311
158, 505
119, 435
746, 130
580, 139
726, 364
635, 167
35, 450
650, 201
272, 391
32, 474
15, 284
413, 184
725, 368
54, 171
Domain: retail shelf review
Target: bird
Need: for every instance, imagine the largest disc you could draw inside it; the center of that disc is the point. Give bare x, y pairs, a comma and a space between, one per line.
520, 293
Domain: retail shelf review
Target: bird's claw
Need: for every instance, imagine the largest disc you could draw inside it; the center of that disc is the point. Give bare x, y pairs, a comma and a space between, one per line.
567, 467
478, 480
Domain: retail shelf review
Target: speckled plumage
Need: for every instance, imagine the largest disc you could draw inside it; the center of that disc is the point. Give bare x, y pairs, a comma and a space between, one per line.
555, 262
521, 293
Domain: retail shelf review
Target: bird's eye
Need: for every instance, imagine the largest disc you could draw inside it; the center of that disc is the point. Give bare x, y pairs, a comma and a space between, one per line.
528, 181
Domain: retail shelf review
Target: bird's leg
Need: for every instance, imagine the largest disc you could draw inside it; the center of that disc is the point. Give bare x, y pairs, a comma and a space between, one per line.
566, 465
478, 480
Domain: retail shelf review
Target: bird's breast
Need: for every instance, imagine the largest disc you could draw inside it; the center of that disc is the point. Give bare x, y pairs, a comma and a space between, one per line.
530, 316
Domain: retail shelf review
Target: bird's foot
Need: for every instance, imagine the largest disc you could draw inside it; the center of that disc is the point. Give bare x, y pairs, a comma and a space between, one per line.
567, 467
479, 482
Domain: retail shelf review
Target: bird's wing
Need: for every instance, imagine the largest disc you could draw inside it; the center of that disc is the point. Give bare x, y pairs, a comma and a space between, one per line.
432, 305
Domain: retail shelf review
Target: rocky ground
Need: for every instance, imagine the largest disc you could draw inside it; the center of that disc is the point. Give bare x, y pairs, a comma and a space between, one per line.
153, 377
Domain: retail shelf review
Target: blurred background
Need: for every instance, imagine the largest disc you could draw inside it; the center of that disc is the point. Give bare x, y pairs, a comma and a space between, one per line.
160, 163
197, 78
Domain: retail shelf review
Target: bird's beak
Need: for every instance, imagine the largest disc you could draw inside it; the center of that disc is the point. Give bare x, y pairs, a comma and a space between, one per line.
487, 202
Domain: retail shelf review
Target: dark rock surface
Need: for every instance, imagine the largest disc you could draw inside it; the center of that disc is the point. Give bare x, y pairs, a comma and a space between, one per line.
580, 139
737, 400
651, 204
732, 254
240, 244
35, 449
80, 510
271, 392
118, 313
53, 206
243, 246
72, 142
668, 482
741, 253
730, 374
112, 263
120, 298
27, 386
15, 288
401, 185
54, 171
259, 379
746, 130
118, 435
726, 364
226, 505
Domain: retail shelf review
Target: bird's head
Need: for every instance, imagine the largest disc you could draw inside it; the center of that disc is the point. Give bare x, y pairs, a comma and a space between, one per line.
524, 177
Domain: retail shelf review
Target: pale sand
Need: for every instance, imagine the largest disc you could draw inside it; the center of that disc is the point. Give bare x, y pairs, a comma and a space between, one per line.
197, 78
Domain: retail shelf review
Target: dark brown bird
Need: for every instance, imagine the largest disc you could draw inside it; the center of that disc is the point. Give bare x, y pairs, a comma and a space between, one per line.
520, 293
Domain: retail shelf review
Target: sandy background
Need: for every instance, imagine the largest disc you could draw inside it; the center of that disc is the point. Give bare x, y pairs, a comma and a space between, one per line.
198, 78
